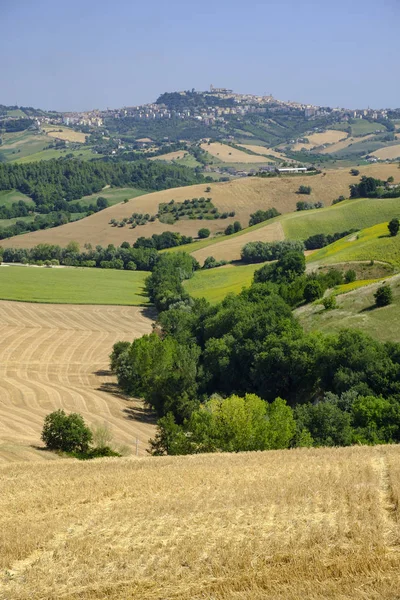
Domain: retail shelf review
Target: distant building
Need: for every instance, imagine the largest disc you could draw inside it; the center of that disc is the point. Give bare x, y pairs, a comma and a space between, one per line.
292, 170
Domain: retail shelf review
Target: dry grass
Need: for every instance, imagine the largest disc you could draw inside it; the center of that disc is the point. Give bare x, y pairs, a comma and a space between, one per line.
331, 136
66, 134
170, 156
289, 525
228, 154
57, 357
244, 196
346, 143
391, 152
262, 150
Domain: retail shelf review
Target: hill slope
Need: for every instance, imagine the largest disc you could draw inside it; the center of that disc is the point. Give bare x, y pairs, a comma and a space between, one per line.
280, 525
244, 196
56, 356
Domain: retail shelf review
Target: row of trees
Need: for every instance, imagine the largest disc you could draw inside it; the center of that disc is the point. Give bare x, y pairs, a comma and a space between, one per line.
254, 252
341, 388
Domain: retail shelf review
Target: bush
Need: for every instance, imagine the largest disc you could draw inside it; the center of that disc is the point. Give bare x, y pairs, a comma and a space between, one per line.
329, 302
67, 433
354, 172
350, 276
394, 227
229, 230
383, 296
312, 291
304, 189
203, 233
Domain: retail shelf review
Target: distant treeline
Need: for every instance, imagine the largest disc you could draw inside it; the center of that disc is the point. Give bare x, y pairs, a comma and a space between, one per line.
320, 240
369, 187
15, 125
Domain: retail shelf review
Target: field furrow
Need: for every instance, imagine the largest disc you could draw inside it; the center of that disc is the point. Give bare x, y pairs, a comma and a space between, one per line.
56, 356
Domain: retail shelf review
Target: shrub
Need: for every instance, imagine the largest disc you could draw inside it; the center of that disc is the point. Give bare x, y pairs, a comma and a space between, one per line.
394, 227
66, 432
304, 189
354, 172
229, 230
383, 296
203, 233
329, 302
350, 276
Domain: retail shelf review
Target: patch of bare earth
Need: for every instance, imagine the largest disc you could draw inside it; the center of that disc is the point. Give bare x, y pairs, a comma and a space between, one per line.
56, 356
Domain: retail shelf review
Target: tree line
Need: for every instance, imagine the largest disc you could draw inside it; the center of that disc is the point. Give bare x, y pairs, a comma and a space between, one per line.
212, 372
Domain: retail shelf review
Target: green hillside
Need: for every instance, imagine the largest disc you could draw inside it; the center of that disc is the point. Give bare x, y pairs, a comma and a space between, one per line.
373, 243
356, 310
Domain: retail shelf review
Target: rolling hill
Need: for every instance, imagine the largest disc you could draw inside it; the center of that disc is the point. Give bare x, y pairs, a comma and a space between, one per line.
279, 525
244, 196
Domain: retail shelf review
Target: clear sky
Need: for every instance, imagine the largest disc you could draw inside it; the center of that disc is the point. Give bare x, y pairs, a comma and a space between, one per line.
83, 54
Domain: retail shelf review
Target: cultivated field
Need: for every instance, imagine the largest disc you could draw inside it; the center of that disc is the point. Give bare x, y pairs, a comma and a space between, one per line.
266, 151
286, 525
228, 154
345, 144
57, 357
391, 152
72, 285
23, 144
8, 197
215, 284
170, 156
65, 133
356, 310
244, 196
331, 136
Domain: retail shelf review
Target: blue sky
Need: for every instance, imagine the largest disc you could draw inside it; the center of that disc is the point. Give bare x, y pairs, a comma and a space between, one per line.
78, 55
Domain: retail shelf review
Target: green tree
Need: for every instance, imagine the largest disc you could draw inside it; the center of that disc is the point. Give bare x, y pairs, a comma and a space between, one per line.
66, 432
312, 291
327, 424
394, 226
350, 276
203, 233
383, 296
304, 189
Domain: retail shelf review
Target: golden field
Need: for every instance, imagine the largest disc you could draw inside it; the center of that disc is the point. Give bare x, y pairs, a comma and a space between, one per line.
170, 156
391, 152
244, 196
65, 133
56, 356
282, 525
269, 151
330, 136
228, 154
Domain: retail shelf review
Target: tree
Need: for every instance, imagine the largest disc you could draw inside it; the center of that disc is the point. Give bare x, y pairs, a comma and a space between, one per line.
312, 291
72, 248
304, 189
102, 203
203, 233
329, 302
394, 227
237, 226
229, 230
66, 432
354, 172
383, 296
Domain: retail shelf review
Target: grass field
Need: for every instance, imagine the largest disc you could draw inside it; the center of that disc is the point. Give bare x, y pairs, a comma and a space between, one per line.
356, 310
345, 144
286, 525
83, 153
113, 195
215, 284
373, 243
170, 156
56, 356
72, 285
8, 197
65, 133
363, 127
22, 145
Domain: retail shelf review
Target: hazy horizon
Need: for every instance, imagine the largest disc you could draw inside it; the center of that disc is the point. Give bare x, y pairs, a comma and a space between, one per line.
91, 54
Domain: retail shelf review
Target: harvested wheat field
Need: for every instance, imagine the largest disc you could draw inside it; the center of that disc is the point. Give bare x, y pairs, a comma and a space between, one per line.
331, 136
56, 356
283, 525
244, 196
391, 152
170, 156
65, 133
345, 144
266, 151
230, 155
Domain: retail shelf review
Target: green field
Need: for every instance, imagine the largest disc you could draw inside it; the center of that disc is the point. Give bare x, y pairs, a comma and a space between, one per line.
10, 196
215, 284
350, 214
72, 285
356, 310
113, 195
22, 145
83, 153
363, 127
373, 243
